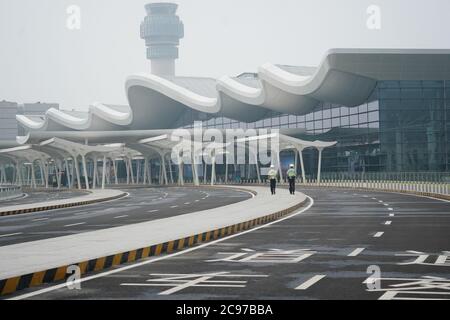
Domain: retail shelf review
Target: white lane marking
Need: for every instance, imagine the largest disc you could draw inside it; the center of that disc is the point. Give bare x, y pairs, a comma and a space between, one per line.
374, 198
151, 211
173, 207
308, 284
386, 204
81, 213
75, 224
137, 265
120, 217
197, 200
391, 209
187, 203
40, 219
357, 252
378, 235
388, 223
381, 201
392, 215
10, 235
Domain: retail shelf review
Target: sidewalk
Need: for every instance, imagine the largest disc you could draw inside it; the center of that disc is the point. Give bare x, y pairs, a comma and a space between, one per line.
40, 256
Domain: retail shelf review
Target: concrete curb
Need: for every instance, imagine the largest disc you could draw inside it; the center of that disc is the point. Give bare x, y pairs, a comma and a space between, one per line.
59, 206
11, 285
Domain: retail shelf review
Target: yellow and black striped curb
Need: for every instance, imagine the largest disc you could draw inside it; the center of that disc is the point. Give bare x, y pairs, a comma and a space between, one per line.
59, 206
11, 285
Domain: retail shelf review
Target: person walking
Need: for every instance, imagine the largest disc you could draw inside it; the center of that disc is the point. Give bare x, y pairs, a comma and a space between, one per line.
292, 176
273, 179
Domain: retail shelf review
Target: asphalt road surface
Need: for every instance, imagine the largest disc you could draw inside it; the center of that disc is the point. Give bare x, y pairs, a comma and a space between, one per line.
325, 252
141, 205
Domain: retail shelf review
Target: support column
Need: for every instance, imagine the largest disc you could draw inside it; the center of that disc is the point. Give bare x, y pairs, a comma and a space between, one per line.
66, 164
213, 170
94, 178
280, 170
86, 179
104, 172
131, 170
33, 176
145, 171
302, 164
77, 171
116, 178
164, 170
258, 171
319, 170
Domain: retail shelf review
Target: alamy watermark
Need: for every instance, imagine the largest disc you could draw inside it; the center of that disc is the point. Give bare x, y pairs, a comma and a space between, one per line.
231, 146
374, 17
73, 21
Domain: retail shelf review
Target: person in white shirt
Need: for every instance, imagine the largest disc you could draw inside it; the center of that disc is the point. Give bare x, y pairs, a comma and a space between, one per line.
273, 179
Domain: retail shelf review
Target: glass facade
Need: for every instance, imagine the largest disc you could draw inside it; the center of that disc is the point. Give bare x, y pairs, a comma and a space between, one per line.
403, 127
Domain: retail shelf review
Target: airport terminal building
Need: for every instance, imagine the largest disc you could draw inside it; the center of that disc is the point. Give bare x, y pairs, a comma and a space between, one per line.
386, 111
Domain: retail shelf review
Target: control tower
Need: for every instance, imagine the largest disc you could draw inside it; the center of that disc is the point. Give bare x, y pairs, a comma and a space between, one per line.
162, 30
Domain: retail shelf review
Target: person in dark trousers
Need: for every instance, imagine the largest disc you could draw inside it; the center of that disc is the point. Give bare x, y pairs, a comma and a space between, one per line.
292, 176
273, 179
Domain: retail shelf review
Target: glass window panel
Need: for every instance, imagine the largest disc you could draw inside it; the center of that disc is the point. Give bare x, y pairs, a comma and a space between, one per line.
353, 119
275, 121
374, 116
345, 121
345, 111
335, 112
362, 108
411, 93
363, 118
336, 122
327, 113
373, 106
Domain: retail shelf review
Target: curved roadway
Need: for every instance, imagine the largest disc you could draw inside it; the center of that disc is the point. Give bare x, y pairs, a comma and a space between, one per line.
323, 253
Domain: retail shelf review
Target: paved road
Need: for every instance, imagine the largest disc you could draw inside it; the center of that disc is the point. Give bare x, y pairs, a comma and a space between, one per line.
141, 206
323, 253
41, 196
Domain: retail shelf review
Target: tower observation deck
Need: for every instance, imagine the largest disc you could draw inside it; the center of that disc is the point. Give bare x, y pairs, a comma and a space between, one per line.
162, 30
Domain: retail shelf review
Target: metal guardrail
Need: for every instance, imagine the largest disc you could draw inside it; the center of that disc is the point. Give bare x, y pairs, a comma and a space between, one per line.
10, 191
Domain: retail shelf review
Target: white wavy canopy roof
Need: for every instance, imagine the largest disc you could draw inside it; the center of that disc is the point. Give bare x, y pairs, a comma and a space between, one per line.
345, 76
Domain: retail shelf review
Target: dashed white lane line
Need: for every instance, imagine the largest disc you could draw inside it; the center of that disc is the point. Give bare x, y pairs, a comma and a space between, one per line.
357, 252
391, 209
392, 215
380, 201
386, 204
75, 224
378, 235
10, 235
173, 207
151, 211
197, 200
41, 219
308, 284
187, 203
374, 198
120, 217
388, 223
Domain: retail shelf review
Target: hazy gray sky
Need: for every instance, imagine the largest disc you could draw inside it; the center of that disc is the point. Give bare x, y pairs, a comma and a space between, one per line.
41, 60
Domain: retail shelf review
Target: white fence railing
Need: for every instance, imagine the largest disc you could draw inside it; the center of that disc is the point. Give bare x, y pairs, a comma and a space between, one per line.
9, 191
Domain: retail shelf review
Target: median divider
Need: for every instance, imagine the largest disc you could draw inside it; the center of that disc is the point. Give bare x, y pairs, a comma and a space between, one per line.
92, 198
59, 274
